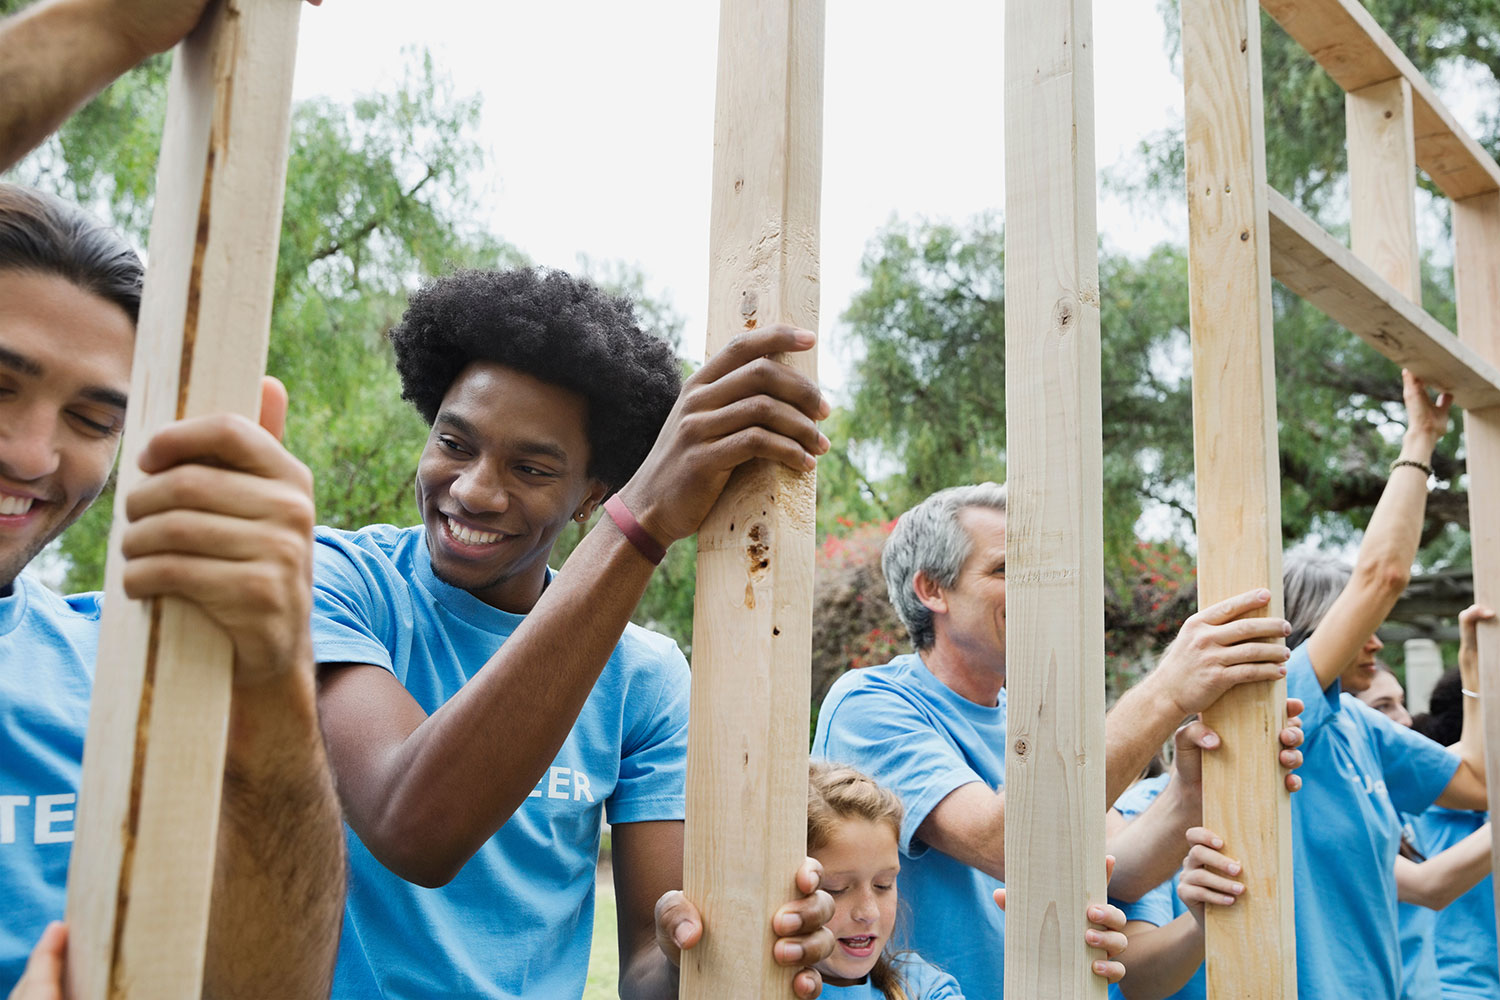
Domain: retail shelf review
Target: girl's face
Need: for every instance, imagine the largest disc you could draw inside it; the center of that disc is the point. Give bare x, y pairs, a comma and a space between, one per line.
1384, 695
860, 864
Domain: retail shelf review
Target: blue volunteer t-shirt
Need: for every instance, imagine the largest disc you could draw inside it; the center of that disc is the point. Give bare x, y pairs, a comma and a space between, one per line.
1467, 963
1359, 770
1161, 905
922, 982
1416, 924
47, 647
916, 736
518, 920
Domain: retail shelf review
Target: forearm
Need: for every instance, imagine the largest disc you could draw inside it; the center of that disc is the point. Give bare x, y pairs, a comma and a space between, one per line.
54, 56
1142, 720
1160, 960
278, 897
1149, 849
1444, 877
464, 770
648, 975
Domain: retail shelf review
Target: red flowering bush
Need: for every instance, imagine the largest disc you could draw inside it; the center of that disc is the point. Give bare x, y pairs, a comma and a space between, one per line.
854, 624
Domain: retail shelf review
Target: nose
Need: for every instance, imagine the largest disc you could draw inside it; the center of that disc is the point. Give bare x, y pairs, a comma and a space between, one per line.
1375, 644
480, 489
28, 445
865, 909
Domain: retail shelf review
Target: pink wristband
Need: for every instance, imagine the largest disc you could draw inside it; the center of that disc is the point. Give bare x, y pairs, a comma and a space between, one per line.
632, 530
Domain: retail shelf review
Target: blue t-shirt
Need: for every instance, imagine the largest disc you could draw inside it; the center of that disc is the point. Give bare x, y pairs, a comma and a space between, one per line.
517, 921
1419, 971
47, 646
1359, 770
1161, 905
916, 736
1467, 962
922, 981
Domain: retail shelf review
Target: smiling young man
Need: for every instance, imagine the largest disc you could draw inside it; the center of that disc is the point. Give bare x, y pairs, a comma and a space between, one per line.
223, 519
485, 715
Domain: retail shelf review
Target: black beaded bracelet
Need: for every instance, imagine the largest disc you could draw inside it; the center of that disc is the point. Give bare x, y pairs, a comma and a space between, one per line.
1426, 469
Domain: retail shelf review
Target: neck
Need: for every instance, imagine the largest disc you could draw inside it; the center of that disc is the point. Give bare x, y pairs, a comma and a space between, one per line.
980, 683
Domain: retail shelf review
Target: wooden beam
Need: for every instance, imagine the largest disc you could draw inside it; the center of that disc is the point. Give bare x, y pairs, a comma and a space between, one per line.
1348, 43
1238, 479
1476, 267
1054, 763
1383, 183
142, 863
752, 632
1324, 272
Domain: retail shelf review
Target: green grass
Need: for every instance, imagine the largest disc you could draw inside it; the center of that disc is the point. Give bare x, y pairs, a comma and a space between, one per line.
604, 959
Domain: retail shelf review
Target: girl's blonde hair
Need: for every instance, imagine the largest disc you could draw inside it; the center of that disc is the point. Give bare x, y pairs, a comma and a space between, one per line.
835, 793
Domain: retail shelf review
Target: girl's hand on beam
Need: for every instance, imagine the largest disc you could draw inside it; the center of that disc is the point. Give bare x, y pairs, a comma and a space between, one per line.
1208, 876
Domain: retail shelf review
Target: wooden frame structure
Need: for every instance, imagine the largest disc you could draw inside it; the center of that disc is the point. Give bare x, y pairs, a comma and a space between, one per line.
142, 864
752, 613
1242, 234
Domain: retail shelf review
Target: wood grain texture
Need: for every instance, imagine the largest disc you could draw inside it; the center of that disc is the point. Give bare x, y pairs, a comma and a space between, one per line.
1251, 946
1476, 233
1054, 540
1348, 43
1383, 183
142, 863
752, 632
1324, 272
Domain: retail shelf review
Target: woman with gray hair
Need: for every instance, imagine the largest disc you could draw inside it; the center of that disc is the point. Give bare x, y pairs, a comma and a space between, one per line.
1361, 769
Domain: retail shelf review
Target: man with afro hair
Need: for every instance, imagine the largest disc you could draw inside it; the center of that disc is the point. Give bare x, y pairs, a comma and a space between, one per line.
485, 714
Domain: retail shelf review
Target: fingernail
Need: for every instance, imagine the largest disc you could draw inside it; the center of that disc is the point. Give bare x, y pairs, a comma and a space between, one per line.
1218, 843
823, 444
805, 338
1233, 869
1210, 740
1095, 913
1098, 968
824, 408
1092, 937
1263, 594
680, 935
810, 463
1237, 888
789, 923
790, 952
1286, 628
1281, 671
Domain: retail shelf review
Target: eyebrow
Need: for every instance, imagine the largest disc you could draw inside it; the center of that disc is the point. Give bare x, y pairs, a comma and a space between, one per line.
463, 426
23, 365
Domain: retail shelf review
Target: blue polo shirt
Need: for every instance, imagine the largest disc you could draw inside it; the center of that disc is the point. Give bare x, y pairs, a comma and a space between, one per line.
518, 920
916, 736
1359, 771
1464, 938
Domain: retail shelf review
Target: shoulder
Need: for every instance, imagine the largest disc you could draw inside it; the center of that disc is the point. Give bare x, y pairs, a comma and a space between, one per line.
381, 550
44, 602
644, 649
1138, 796
889, 681
924, 980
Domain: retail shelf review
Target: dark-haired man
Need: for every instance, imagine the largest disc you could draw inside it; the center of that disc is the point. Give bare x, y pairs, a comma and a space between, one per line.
224, 520
483, 713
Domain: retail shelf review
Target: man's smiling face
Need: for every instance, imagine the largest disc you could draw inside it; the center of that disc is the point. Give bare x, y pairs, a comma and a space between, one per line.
504, 471
65, 357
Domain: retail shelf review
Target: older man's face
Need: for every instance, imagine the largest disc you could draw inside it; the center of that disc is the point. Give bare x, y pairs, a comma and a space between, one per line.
975, 620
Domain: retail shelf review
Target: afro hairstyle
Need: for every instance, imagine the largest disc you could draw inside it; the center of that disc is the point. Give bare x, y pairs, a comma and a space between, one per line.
558, 329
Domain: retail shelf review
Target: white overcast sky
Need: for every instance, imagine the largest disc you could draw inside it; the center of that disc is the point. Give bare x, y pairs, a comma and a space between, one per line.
598, 121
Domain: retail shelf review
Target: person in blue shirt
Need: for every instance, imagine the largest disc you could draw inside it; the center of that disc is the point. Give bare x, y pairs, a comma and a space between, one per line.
1362, 770
485, 715
1443, 875
930, 725
222, 519
852, 830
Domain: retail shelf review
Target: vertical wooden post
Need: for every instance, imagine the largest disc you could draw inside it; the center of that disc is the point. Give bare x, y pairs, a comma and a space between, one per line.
1476, 233
1382, 183
1251, 945
1054, 764
142, 864
752, 633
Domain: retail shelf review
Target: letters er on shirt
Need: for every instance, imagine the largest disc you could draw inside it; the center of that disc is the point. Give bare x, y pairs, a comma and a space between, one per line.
561, 783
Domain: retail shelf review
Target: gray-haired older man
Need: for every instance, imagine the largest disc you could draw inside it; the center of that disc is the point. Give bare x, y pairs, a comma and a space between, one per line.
931, 724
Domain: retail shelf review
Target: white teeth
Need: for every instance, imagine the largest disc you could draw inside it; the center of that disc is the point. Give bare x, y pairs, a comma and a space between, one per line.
471, 537
15, 505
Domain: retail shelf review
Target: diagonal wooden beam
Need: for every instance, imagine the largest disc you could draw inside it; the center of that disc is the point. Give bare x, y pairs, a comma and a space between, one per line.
1326, 273
1251, 946
1054, 538
142, 863
752, 614
1352, 47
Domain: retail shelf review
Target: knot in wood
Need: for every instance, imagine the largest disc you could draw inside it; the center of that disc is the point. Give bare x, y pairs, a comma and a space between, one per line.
1063, 313
1023, 747
758, 549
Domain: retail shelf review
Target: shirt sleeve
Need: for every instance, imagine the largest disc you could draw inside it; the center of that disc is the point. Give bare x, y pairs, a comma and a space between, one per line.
351, 623
878, 731
1416, 769
653, 759
1154, 908
1321, 704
